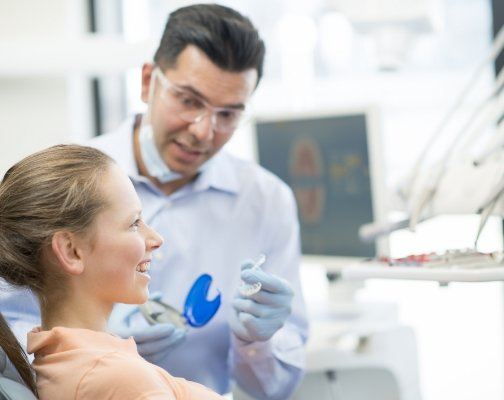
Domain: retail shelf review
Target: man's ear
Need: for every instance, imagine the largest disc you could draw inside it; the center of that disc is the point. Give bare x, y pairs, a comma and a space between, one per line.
147, 69
64, 245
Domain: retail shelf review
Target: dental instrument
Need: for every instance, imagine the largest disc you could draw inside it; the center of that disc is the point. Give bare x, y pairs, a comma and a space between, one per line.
198, 311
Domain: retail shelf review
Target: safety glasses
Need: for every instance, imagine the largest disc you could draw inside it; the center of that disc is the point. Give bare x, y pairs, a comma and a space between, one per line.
192, 108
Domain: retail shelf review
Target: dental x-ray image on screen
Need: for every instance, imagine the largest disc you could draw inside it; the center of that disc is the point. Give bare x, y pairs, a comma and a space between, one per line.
326, 161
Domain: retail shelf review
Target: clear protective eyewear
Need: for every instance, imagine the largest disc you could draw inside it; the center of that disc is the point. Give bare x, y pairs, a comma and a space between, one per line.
192, 108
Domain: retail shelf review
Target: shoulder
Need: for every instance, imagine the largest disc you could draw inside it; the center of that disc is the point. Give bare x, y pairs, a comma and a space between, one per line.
117, 375
118, 144
109, 141
255, 179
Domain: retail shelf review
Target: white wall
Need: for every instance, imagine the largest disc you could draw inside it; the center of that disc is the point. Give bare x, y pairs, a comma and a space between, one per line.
33, 115
39, 110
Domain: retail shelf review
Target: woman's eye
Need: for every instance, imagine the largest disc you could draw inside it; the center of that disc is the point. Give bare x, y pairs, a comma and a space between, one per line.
135, 225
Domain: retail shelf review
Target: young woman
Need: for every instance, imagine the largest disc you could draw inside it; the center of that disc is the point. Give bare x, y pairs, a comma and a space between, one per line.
71, 231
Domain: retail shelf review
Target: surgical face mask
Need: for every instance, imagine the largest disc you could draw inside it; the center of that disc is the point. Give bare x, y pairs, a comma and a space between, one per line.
154, 163
152, 159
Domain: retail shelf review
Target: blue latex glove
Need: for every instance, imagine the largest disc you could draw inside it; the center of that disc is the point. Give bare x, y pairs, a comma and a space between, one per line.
259, 316
153, 341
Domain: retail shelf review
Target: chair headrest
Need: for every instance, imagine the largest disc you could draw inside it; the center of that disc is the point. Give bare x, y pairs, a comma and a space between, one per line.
3, 361
12, 390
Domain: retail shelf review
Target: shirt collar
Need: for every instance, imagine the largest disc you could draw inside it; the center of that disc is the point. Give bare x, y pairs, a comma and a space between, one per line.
221, 174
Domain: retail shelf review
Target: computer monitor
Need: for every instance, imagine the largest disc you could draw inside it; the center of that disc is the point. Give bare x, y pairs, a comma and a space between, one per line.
333, 163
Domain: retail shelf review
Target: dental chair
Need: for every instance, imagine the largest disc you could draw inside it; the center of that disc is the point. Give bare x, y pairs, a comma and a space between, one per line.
10, 386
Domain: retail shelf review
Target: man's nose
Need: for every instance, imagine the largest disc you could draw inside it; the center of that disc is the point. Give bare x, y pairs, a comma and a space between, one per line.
202, 127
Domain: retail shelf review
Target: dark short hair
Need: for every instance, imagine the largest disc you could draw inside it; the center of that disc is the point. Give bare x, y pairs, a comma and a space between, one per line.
228, 38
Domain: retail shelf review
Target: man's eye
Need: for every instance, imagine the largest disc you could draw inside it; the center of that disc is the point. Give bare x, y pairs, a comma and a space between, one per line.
135, 225
228, 115
189, 101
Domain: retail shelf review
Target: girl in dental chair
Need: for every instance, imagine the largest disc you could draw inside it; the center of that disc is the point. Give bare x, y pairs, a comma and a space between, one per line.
71, 231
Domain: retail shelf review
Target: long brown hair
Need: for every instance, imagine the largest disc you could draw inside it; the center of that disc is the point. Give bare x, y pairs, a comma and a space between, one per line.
54, 189
16, 354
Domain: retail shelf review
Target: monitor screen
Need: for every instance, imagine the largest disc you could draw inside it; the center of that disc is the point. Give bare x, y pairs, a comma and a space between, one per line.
326, 161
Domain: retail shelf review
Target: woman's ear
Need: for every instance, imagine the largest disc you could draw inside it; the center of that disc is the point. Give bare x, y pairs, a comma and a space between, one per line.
65, 247
147, 69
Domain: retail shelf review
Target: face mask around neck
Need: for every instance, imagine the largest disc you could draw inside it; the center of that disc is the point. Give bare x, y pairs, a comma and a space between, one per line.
154, 163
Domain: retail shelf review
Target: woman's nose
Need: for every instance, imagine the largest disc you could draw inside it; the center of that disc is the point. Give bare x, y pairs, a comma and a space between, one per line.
154, 239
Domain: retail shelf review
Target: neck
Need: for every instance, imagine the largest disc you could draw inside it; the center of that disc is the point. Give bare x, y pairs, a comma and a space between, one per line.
167, 188
73, 313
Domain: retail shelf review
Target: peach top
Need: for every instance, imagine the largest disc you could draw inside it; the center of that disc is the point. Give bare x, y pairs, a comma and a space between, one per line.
83, 364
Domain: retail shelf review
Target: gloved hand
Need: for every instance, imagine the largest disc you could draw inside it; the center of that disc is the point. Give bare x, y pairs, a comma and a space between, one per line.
153, 341
259, 316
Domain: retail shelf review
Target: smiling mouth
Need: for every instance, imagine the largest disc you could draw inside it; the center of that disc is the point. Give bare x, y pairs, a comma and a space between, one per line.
143, 267
189, 150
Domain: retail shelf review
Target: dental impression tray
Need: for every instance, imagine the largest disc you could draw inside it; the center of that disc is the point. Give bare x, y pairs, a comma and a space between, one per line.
198, 311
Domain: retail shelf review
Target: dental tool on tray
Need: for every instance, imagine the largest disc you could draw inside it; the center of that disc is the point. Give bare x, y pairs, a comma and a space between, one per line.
463, 259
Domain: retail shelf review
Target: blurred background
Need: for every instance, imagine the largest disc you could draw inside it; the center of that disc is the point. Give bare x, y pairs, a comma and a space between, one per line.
70, 70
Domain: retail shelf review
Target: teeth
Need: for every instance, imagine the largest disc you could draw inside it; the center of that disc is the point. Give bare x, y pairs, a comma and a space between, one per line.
249, 289
143, 267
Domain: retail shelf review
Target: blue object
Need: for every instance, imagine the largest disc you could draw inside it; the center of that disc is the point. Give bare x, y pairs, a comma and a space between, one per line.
198, 311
